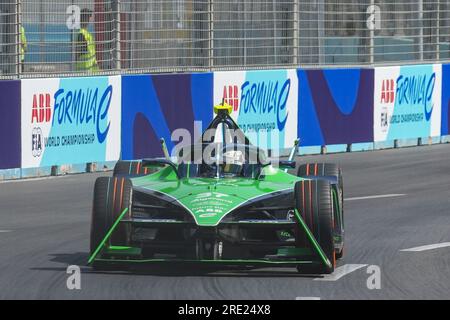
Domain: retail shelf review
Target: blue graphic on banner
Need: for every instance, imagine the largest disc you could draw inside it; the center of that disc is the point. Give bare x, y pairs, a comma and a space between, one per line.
154, 106
413, 102
10, 124
445, 120
335, 106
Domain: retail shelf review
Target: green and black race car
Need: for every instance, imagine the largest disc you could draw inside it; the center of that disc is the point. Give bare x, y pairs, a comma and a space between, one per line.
219, 203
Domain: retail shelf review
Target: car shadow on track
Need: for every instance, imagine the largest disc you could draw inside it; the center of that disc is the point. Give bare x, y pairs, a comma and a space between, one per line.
178, 270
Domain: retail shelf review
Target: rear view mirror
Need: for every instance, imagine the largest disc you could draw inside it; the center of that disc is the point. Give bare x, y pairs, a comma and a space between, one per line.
287, 164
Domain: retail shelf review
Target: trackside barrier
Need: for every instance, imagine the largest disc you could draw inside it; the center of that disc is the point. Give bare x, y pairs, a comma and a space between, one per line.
72, 125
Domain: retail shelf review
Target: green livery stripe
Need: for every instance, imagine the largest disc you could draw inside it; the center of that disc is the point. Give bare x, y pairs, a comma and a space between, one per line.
102, 243
311, 238
294, 251
121, 250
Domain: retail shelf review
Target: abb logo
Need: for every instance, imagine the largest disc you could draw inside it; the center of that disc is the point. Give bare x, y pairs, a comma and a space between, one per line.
41, 110
388, 91
231, 96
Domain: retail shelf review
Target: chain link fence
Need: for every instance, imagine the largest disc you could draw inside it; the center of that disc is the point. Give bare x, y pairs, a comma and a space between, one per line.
42, 37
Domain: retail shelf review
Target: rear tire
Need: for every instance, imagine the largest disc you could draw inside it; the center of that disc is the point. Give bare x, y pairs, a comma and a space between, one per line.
322, 169
313, 200
111, 197
311, 170
130, 169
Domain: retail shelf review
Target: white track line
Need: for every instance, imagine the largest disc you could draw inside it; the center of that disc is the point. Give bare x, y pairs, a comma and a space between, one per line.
307, 298
5, 231
376, 197
428, 247
340, 272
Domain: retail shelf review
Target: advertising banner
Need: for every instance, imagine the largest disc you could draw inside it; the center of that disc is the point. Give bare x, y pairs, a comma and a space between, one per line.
10, 124
407, 102
70, 120
264, 104
445, 117
157, 106
335, 106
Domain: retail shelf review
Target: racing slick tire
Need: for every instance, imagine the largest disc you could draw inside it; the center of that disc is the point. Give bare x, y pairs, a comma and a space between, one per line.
331, 170
322, 169
111, 197
313, 200
130, 169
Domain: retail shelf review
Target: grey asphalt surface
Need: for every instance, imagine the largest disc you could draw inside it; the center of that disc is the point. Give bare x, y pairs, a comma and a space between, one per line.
44, 227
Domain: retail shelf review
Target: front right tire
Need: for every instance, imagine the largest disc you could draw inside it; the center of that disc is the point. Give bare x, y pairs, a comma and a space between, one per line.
111, 197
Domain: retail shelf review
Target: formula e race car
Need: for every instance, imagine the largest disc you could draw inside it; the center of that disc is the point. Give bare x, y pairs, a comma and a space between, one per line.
222, 201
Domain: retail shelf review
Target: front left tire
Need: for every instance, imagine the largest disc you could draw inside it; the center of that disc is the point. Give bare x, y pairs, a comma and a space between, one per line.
130, 169
313, 200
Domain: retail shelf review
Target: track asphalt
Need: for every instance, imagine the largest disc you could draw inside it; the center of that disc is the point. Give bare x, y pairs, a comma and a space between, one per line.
44, 227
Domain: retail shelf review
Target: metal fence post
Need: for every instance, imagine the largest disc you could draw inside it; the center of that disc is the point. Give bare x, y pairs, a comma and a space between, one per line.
295, 35
211, 35
117, 36
438, 31
321, 29
420, 4
274, 26
245, 33
372, 40
17, 47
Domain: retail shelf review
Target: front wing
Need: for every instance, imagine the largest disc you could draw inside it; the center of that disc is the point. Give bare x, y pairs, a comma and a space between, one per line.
214, 245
